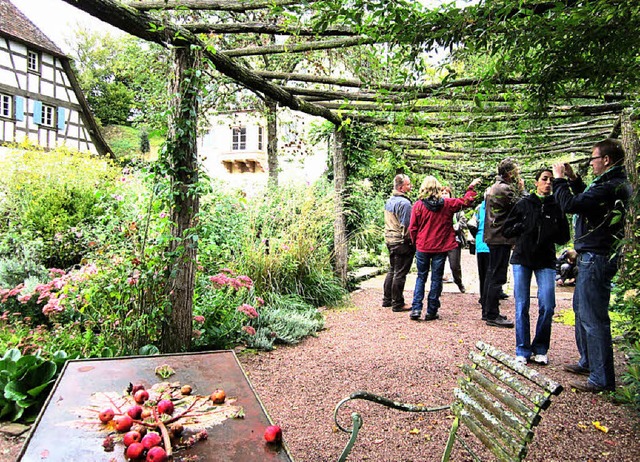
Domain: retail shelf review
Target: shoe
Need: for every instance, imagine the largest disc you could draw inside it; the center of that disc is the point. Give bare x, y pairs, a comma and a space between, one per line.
431, 317
576, 369
500, 316
462, 288
503, 296
414, 317
521, 360
499, 322
386, 305
402, 308
540, 359
588, 387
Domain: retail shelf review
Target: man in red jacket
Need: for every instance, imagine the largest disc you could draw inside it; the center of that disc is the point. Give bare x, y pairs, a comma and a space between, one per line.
431, 230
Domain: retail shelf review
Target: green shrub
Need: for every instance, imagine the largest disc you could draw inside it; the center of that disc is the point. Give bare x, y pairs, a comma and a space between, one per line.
284, 319
48, 199
284, 247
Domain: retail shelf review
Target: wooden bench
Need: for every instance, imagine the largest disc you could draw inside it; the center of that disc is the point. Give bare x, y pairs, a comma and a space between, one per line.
498, 400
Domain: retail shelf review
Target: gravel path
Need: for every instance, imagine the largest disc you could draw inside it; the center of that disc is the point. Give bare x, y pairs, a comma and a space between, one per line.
365, 346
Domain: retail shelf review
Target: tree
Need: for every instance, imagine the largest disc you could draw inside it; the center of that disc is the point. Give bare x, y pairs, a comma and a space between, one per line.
125, 78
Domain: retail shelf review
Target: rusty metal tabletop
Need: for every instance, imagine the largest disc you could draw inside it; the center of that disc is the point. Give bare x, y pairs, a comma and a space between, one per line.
55, 438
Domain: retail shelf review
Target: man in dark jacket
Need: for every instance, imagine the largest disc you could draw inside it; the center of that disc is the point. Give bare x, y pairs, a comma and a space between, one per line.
500, 199
397, 214
600, 209
539, 224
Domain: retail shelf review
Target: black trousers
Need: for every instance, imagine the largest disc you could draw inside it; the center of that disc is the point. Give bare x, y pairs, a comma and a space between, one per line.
483, 267
400, 261
495, 279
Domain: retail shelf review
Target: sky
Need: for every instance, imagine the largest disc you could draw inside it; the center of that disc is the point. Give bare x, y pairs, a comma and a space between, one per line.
58, 20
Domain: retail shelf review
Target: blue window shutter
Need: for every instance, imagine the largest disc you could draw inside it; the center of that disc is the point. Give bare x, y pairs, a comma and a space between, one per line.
61, 122
37, 112
19, 108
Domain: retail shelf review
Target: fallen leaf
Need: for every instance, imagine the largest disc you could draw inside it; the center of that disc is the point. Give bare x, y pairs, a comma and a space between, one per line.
582, 426
414, 431
378, 441
403, 337
600, 427
610, 442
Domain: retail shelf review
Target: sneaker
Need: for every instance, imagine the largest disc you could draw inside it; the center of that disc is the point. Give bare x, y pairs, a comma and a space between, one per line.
540, 359
588, 387
462, 288
500, 316
499, 322
414, 316
431, 317
576, 369
521, 360
386, 304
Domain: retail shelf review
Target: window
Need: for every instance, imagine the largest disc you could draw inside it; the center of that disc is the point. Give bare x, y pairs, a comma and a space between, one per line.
260, 138
43, 114
5, 106
48, 115
33, 61
239, 142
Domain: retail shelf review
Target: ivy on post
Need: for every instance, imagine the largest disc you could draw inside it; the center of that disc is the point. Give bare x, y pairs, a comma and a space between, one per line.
180, 162
340, 225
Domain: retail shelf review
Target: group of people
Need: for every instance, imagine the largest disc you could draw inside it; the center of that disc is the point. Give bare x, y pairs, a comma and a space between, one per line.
521, 229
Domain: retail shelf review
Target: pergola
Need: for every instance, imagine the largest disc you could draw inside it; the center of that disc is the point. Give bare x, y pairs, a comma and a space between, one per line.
458, 126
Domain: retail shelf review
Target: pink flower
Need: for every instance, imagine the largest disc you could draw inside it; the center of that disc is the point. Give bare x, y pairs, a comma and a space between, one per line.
259, 301
248, 310
198, 318
249, 330
197, 333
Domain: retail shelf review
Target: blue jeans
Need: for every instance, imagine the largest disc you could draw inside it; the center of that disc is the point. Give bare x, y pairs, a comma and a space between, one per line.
545, 278
423, 261
593, 325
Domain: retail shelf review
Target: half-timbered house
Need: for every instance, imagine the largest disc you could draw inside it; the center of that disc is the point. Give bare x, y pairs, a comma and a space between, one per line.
40, 99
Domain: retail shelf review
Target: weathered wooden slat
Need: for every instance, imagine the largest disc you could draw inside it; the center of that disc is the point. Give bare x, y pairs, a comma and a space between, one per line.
507, 441
521, 428
498, 371
486, 439
549, 385
502, 394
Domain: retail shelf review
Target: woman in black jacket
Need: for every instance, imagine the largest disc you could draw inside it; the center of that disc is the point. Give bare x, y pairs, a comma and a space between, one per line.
539, 224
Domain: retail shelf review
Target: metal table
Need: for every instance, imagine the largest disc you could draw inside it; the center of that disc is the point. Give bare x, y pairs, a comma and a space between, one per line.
55, 436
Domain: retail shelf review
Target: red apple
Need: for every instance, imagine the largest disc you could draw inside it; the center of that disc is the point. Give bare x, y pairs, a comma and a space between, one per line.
218, 396
124, 423
134, 451
156, 454
151, 439
135, 411
106, 415
131, 437
273, 434
165, 406
141, 396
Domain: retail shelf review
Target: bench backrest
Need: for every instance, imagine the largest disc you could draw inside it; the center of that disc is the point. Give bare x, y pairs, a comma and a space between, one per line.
499, 401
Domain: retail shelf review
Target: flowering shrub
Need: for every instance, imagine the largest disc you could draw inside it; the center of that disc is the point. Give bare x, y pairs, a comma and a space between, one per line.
225, 304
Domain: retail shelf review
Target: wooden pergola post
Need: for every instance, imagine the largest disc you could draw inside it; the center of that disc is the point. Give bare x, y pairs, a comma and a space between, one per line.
340, 244
181, 159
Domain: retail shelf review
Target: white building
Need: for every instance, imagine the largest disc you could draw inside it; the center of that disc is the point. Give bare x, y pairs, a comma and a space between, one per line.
40, 99
235, 148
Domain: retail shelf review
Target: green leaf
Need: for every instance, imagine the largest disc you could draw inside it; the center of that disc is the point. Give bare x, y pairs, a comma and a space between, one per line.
14, 391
